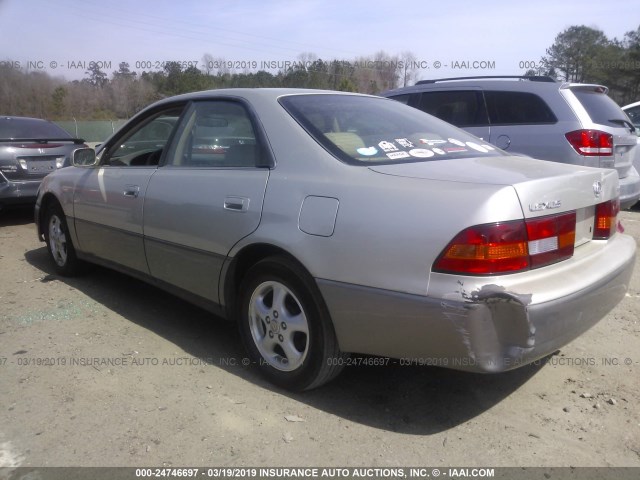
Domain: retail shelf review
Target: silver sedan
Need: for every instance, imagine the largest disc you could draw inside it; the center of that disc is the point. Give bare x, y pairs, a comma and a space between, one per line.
329, 223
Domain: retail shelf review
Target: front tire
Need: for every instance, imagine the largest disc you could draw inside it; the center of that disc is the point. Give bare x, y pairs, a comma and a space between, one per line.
59, 244
286, 327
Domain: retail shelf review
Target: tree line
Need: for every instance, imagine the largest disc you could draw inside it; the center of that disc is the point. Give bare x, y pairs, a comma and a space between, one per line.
99, 96
585, 55
578, 54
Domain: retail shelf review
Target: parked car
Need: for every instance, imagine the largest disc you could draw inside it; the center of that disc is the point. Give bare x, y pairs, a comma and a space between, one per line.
536, 116
339, 223
633, 112
30, 149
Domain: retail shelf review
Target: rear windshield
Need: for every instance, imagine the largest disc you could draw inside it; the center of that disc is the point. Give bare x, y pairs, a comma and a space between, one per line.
365, 130
600, 107
17, 128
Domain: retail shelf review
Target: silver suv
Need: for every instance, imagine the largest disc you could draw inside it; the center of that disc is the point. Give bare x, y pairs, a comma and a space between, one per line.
537, 116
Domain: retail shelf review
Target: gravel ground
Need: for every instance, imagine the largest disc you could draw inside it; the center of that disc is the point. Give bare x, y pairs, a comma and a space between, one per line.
103, 370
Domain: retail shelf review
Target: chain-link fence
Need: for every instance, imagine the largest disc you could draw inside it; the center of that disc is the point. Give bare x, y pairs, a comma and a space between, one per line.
91, 130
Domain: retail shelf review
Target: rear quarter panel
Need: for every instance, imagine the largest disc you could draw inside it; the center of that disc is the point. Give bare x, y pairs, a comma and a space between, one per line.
388, 229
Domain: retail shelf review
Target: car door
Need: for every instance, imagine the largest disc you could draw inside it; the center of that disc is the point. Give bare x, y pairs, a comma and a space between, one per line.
108, 200
206, 197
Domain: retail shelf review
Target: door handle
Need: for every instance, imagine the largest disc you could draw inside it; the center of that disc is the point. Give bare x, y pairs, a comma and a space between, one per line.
131, 191
237, 204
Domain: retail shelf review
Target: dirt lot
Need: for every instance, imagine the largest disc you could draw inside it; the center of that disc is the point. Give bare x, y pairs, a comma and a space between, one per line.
176, 392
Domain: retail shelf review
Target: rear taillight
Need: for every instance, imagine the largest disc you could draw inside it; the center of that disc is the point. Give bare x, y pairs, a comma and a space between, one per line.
591, 143
551, 239
509, 247
606, 219
486, 249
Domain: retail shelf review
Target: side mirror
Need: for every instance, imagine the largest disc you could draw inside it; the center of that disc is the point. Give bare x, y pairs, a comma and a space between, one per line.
84, 157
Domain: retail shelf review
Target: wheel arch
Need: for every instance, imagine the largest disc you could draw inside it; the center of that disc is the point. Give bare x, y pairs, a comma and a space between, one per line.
48, 199
246, 258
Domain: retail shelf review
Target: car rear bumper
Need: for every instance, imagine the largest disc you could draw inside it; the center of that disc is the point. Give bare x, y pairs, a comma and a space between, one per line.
492, 330
629, 189
18, 192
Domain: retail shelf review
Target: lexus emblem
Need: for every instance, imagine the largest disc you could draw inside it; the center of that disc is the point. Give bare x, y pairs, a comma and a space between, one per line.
597, 188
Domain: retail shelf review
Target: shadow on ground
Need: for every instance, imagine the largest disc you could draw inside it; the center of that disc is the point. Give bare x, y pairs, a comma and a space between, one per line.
21, 215
414, 400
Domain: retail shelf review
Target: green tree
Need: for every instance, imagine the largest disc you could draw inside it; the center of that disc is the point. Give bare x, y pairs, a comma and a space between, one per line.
630, 67
341, 73
124, 71
346, 85
296, 77
57, 101
577, 52
97, 77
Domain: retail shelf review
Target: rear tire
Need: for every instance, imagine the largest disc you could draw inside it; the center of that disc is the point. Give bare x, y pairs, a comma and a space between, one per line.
59, 244
286, 327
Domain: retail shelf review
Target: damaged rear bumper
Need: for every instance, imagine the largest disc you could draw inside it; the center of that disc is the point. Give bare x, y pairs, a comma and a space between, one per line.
489, 329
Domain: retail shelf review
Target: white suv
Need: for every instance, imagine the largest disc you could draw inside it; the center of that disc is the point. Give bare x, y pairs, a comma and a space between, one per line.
537, 116
633, 112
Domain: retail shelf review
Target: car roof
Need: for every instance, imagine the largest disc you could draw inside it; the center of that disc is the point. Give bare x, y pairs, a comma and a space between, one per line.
631, 105
251, 94
254, 93
531, 84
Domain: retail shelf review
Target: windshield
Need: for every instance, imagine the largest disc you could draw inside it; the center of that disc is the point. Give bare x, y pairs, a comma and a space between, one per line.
365, 130
30, 128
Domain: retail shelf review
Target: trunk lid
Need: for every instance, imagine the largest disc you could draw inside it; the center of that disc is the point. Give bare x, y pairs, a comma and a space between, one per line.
31, 159
543, 188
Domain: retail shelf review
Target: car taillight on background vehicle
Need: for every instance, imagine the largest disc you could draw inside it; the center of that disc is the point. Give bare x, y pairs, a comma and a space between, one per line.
606, 219
509, 247
591, 143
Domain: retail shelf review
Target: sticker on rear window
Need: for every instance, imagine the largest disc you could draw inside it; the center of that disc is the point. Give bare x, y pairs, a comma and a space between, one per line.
421, 153
439, 151
455, 149
477, 147
387, 146
367, 151
432, 142
456, 142
404, 142
395, 155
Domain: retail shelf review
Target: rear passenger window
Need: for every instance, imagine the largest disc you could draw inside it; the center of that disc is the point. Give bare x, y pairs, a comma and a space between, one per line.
216, 134
517, 108
460, 108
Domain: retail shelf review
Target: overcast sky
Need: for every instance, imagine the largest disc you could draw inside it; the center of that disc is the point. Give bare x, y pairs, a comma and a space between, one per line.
61, 36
